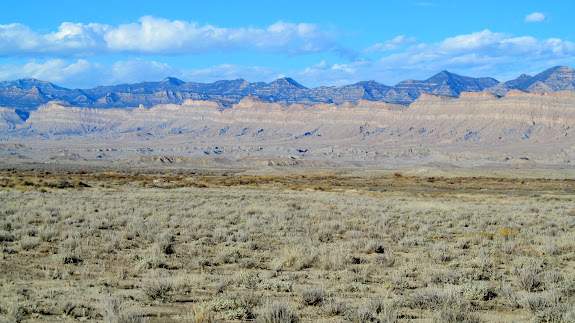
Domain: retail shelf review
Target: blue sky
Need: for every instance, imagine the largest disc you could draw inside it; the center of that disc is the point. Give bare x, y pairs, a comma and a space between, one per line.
82, 44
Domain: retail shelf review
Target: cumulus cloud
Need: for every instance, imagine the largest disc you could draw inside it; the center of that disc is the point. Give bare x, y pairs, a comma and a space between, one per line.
157, 36
501, 45
390, 45
75, 74
138, 70
69, 40
84, 74
536, 17
232, 72
483, 53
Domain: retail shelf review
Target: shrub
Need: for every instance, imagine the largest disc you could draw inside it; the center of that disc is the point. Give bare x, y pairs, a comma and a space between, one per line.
433, 298
49, 234
553, 277
152, 258
527, 276
6, 236
456, 315
70, 251
387, 259
373, 310
236, 307
478, 292
507, 292
558, 313
29, 243
277, 312
112, 306
539, 301
18, 311
359, 315
509, 246
158, 287
201, 314
312, 295
375, 247
442, 253
165, 243
334, 306
507, 233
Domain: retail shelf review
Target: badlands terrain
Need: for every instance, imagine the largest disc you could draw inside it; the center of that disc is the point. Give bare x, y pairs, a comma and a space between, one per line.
519, 130
449, 120
455, 205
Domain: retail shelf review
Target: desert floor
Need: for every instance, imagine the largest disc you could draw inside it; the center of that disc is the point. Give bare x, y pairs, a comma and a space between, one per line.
286, 244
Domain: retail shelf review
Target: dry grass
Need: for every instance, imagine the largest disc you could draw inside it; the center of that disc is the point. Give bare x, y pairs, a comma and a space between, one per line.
219, 245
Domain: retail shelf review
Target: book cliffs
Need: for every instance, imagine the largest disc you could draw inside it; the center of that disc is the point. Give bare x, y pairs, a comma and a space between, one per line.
523, 112
475, 128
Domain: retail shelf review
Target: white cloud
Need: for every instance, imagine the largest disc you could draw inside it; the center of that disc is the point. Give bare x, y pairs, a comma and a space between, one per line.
470, 42
483, 53
157, 36
232, 72
536, 17
138, 70
84, 74
390, 45
17, 38
80, 73
477, 54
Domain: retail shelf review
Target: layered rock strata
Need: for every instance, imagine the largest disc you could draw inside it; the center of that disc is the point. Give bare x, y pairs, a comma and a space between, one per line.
475, 116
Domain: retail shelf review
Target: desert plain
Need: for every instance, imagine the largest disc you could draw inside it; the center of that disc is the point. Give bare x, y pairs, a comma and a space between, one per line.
169, 242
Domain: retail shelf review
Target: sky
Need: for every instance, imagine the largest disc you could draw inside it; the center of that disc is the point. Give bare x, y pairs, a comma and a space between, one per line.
83, 44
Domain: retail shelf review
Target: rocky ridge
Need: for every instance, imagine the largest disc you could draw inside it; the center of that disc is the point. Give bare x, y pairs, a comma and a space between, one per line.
522, 127
29, 94
474, 116
559, 78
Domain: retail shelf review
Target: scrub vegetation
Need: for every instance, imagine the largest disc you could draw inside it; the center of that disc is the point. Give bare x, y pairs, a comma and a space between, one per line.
327, 245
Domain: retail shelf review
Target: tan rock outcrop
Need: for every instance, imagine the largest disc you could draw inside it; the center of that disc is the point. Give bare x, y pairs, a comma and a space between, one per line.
476, 119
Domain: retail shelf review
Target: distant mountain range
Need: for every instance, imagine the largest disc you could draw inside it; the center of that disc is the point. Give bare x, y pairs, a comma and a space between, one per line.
27, 94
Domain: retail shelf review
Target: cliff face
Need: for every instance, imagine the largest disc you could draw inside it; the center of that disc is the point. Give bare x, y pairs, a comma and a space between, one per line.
475, 126
488, 118
56, 119
208, 118
474, 117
